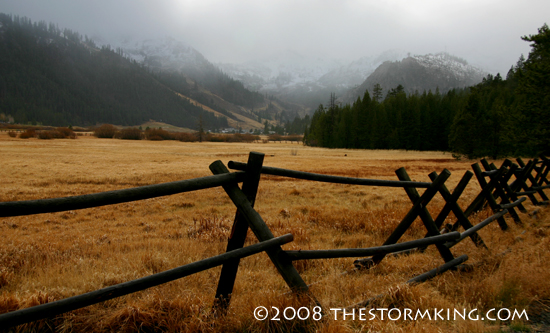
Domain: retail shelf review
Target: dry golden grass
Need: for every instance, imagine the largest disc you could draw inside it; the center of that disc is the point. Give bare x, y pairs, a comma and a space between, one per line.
48, 257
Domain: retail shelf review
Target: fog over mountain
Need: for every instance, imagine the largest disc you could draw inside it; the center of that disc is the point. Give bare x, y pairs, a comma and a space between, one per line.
302, 51
289, 69
486, 33
306, 80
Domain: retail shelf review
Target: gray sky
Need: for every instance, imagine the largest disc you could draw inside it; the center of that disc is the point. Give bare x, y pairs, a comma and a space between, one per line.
484, 32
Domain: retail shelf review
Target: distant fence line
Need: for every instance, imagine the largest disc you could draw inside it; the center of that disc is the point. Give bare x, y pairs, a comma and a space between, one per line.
502, 194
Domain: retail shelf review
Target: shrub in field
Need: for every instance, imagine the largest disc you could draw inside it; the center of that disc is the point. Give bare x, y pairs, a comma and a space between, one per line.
12, 134
105, 131
29, 133
275, 137
234, 138
242, 137
250, 137
58, 133
185, 137
217, 138
66, 132
47, 135
158, 134
130, 134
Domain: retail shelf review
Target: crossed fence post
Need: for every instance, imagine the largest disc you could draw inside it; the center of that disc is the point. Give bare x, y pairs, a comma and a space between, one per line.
429, 223
261, 230
500, 186
487, 190
450, 205
524, 172
542, 174
537, 181
238, 233
508, 191
417, 210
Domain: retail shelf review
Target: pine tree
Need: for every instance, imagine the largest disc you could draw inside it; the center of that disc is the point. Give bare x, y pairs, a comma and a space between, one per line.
377, 92
464, 138
535, 86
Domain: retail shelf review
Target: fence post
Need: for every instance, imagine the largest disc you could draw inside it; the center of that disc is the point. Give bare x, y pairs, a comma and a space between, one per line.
489, 196
533, 180
425, 216
238, 234
406, 222
452, 204
511, 194
262, 232
521, 177
480, 199
501, 185
451, 199
541, 176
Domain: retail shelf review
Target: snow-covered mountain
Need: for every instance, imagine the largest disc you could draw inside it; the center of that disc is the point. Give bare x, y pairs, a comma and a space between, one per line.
455, 66
354, 73
164, 53
304, 79
289, 69
308, 80
420, 73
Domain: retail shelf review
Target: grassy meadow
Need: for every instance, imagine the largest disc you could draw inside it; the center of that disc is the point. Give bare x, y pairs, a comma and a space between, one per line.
48, 257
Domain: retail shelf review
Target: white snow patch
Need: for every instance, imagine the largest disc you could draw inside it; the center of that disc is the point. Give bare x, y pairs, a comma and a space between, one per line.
459, 67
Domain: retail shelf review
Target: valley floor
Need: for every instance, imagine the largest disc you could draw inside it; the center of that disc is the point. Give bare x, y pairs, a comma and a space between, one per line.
48, 257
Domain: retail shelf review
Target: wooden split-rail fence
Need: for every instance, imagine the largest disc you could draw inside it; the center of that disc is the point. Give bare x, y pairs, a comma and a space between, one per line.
503, 189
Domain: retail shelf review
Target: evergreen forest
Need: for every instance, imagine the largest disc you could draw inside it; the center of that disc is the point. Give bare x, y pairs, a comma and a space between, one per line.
495, 118
60, 78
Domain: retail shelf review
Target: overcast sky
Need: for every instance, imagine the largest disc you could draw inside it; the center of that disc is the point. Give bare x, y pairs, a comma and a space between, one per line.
484, 32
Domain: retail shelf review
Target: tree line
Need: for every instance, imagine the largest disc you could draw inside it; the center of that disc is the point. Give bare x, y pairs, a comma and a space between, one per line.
497, 117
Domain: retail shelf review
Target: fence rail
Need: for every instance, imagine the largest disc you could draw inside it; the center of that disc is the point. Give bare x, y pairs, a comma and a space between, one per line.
76, 302
503, 198
384, 249
328, 178
29, 207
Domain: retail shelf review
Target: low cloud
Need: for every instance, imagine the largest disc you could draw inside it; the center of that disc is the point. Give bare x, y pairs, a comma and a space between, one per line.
487, 33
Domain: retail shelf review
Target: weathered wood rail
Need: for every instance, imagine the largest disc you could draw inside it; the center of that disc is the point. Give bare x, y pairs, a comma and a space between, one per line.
510, 195
29, 207
76, 302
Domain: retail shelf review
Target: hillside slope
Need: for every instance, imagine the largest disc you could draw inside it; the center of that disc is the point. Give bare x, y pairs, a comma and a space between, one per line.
188, 72
57, 77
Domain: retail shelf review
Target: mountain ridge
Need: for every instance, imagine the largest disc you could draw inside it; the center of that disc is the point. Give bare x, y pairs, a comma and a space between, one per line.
419, 73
